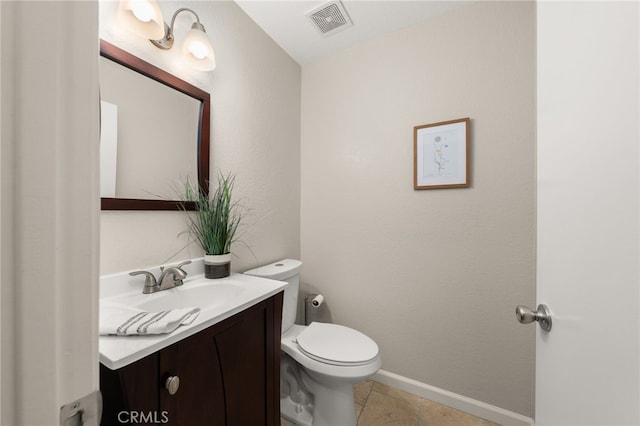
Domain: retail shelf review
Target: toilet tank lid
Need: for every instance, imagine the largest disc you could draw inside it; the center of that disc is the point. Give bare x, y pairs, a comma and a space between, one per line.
279, 270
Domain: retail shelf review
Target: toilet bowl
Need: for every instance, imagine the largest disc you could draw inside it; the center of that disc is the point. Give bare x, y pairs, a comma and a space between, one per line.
320, 362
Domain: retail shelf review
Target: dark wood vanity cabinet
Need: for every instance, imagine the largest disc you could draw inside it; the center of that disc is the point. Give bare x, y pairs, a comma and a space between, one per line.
229, 375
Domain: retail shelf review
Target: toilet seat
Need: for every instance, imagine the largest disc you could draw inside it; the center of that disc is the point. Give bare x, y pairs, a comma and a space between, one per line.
336, 345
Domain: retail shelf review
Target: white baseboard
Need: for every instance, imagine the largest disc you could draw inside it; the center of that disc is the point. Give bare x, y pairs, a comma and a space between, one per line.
474, 407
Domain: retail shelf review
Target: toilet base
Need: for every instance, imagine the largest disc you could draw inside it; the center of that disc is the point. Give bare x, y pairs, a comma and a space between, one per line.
309, 398
296, 403
333, 406
333, 400
295, 413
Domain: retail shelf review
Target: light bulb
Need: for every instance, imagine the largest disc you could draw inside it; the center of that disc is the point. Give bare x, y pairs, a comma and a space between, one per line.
142, 10
143, 17
197, 49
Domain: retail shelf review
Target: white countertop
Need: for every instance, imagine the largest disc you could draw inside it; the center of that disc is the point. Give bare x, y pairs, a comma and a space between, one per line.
119, 351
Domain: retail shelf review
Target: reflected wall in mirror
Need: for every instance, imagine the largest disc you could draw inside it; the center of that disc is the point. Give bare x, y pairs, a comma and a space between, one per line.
155, 133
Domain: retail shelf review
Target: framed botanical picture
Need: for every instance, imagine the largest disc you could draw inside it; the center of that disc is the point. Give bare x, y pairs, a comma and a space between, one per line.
441, 155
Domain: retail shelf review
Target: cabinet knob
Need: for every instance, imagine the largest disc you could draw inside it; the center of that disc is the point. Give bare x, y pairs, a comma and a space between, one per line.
172, 384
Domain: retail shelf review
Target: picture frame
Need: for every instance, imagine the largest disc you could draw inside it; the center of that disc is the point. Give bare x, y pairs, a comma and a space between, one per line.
441, 155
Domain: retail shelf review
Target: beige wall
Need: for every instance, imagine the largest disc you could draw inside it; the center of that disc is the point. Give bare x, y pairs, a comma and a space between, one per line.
433, 276
255, 122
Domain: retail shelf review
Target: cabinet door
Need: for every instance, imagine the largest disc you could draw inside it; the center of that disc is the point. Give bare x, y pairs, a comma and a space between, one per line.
130, 394
229, 374
200, 399
245, 369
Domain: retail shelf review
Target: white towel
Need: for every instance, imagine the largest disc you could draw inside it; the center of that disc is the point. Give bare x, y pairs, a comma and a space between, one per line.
121, 320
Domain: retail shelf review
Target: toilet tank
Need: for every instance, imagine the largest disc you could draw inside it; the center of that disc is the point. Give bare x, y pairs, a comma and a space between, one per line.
284, 270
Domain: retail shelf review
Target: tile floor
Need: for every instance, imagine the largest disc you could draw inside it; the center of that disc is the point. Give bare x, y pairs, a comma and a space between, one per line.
380, 405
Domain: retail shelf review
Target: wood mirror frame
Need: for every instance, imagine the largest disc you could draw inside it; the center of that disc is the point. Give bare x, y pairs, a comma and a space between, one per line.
113, 53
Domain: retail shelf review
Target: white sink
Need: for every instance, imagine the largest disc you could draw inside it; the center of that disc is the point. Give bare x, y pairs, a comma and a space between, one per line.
217, 299
204, 294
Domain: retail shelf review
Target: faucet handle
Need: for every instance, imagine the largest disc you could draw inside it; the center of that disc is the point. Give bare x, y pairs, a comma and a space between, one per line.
186, 262
178, 282
150, 283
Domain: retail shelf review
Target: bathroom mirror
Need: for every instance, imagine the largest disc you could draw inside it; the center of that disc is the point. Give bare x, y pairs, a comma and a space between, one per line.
155, 132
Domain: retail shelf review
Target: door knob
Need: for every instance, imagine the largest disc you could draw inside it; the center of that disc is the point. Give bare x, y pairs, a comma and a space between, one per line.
172, 384
542, 315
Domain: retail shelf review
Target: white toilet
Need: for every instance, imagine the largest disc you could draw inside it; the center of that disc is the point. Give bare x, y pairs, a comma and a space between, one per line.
320, 362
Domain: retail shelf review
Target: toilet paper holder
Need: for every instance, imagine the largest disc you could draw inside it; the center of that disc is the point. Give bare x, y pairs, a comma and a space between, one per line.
311, 301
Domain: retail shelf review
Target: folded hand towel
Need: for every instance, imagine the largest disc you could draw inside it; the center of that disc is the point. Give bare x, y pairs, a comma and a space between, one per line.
125, 321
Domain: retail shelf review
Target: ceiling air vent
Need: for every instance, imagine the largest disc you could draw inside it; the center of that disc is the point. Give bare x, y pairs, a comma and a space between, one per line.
330, 18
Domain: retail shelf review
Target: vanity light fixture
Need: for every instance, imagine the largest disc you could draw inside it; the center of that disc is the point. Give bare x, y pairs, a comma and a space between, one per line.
196, 47
141, 16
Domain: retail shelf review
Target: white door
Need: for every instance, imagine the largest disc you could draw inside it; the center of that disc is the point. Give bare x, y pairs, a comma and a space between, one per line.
587, 366
49, 205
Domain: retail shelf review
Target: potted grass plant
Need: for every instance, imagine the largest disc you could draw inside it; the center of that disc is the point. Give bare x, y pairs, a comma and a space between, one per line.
214, 224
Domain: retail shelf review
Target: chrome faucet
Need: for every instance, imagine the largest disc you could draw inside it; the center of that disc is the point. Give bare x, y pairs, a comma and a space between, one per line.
169, 278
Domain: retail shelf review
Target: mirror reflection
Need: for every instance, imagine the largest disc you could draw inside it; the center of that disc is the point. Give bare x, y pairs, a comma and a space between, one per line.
153, 133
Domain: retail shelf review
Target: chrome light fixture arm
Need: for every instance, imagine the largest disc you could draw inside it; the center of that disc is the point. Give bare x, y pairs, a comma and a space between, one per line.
145, 18
167, 41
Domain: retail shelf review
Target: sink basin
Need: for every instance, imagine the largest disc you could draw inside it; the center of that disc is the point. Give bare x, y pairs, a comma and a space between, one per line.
204, 295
